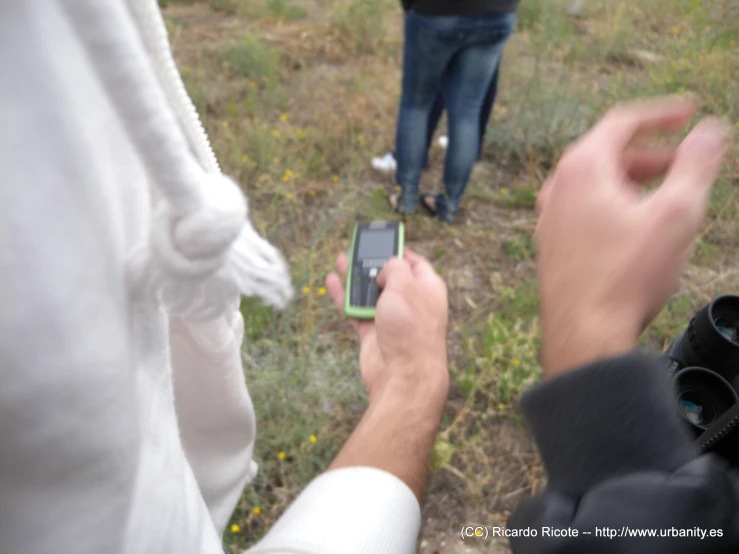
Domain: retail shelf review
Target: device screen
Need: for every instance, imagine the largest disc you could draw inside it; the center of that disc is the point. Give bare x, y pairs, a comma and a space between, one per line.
376, 244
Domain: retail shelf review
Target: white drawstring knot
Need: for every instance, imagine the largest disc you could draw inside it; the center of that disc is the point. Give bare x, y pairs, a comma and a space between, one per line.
194, 245
198, 264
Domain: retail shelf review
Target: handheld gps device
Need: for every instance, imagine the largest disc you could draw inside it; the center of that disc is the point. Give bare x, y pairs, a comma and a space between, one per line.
373, 244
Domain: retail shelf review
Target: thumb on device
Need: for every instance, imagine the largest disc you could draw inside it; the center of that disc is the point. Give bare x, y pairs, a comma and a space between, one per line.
395, 272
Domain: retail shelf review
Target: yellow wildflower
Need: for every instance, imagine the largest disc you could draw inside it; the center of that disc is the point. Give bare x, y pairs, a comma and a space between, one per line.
312, 255
257, 510
501, 406
235, 528
322, 291
335, 178
281, 455
300, 133
306, 290
275, 133
313, 439
516, 363
312, 193
283, 117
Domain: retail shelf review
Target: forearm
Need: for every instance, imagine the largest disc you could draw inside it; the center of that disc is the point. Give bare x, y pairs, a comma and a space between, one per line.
369, 499
397, 432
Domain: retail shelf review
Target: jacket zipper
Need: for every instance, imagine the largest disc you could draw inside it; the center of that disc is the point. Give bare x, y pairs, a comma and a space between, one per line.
157, 41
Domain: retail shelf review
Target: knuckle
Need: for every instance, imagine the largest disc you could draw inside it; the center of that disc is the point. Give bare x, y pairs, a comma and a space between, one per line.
392, 265
621, 111
683, 210
579, 152
679, 206
616, 111
571, 163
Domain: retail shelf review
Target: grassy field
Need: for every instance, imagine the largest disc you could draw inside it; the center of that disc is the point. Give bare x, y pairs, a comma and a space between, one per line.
297, 95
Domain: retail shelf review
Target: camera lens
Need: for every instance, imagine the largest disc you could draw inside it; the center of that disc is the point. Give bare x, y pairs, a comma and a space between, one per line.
712, 338
727, 327
703, 396
697, 408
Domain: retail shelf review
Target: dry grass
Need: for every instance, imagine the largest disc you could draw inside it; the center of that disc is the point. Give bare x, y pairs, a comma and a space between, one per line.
297, 95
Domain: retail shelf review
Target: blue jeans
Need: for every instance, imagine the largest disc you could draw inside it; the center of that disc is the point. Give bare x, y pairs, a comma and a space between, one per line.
438, 108
457, 55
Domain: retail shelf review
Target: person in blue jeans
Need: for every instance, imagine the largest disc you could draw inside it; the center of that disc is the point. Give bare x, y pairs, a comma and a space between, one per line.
487, 108
389, 161
451, 46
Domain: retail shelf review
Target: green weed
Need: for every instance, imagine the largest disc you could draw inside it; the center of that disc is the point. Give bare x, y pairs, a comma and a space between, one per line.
249, 57
507, 357
521, 302
519, 197
705, 253
362, 22
548, 115
672, 321
165, 3
520, 247
284, 9
226, 6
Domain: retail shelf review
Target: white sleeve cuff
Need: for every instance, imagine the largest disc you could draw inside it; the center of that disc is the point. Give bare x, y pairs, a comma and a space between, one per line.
354, 510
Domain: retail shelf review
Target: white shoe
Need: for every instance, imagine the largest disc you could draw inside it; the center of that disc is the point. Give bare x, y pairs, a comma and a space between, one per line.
444, 141
386, 164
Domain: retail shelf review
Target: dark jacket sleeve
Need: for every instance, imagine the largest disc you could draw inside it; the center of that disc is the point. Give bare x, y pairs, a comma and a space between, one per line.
624, 475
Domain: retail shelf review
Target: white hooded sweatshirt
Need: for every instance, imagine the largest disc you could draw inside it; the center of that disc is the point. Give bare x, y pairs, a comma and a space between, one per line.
125, 423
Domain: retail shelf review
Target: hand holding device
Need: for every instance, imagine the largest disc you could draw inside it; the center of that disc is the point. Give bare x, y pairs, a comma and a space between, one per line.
609, 255
404, 365
406, 342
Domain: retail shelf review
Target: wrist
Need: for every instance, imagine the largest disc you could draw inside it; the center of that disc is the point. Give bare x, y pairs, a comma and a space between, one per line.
396, 433
585, 340
423, 385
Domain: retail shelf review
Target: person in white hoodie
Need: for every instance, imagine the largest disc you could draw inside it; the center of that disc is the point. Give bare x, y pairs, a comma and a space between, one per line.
125, 423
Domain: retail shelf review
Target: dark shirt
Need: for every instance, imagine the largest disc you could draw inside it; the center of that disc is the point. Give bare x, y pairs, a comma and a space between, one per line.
460, 7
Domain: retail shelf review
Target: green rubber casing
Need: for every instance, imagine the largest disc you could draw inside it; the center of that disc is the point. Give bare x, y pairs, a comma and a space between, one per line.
362, 312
